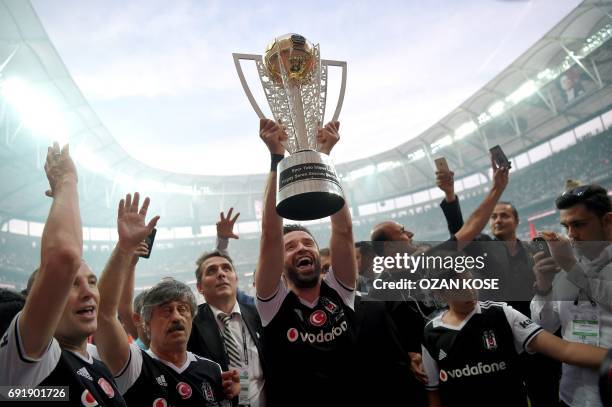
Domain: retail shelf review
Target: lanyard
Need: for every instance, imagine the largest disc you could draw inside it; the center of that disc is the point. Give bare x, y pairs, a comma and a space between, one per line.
593, 303
244, 343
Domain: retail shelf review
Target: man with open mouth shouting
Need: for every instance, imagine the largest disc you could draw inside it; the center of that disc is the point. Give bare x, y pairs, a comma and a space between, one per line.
46, 343
308, 323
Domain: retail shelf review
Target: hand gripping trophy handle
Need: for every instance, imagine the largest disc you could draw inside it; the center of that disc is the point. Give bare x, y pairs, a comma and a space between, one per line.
294, 80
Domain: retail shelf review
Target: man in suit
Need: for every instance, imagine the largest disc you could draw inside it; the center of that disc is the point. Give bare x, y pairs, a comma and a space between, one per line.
227, 331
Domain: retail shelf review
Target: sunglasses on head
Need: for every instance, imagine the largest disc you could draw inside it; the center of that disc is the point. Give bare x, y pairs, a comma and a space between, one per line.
578, 191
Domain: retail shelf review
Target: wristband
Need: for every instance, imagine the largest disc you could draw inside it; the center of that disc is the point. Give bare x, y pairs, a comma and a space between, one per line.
274, 160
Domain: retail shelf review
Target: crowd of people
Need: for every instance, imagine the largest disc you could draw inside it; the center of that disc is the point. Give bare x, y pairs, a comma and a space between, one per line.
588, 159
319, 329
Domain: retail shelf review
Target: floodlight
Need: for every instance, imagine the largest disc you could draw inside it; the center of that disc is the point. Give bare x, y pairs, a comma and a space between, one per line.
496, 108
483, 118
37, 110
362, 172
524, 91
387, 165
546, 75
465, 129
181, 189
90, 161
416, 155
445, 141
149, 185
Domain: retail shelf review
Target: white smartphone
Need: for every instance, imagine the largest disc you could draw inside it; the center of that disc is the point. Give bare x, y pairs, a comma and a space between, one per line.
441, 164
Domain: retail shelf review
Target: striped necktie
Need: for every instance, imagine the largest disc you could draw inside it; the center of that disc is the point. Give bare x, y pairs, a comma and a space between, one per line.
231, 346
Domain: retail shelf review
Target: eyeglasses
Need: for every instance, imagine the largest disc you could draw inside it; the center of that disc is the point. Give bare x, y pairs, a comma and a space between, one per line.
578, 191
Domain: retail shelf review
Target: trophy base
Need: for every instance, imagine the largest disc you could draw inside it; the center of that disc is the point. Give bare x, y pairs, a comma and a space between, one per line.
310, 206
307, 187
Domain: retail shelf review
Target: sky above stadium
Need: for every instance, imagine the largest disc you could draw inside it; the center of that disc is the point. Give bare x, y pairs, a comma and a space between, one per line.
161, 77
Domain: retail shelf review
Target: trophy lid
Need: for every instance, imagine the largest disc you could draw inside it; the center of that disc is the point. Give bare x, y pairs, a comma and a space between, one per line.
295, 53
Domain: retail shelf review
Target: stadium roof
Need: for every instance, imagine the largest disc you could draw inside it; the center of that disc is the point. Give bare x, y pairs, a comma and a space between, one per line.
518, 108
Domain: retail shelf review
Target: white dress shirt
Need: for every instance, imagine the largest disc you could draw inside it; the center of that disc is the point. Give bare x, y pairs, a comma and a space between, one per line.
589, 282
256, 378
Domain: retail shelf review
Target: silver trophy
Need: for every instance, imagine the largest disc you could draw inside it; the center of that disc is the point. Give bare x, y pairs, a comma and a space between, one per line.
294, 79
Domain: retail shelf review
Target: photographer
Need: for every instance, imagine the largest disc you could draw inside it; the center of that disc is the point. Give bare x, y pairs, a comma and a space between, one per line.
574, 286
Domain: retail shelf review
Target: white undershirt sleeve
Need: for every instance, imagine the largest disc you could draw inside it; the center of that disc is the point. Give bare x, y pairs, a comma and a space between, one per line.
268, 307
16, 368
347, 294
523, 329
130, 373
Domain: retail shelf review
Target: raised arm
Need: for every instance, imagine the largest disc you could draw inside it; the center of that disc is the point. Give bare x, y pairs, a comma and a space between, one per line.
478, 220
341, 244
126, 303
445, 180
61, 251
271, 251
111, 338
225, 231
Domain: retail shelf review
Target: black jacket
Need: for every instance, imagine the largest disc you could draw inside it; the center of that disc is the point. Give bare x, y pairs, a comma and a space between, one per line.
382, 352
518, 281
206, 340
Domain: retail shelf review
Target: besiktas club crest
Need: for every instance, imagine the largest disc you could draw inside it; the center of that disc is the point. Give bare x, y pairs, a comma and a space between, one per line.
490, 342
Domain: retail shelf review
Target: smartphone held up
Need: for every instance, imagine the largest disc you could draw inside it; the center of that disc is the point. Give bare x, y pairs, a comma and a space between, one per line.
149, 242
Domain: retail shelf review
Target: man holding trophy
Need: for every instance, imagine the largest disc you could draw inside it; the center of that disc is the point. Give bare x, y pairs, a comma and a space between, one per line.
308, 323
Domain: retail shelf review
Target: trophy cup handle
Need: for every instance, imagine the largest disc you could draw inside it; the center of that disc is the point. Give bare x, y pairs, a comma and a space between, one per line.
245, 85
341, 64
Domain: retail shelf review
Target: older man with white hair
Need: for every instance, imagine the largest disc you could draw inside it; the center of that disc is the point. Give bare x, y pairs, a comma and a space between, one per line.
166, 374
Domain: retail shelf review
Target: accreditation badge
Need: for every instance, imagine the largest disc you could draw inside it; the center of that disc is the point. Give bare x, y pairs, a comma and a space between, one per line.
243, 397
585, 325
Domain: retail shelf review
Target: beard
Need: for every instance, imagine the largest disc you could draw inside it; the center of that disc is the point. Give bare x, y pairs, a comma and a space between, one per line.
301, 280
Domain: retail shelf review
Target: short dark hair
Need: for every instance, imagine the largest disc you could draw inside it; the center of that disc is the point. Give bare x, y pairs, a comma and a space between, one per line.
512, 207
294, 227
324, 251
138, 301
594, 197
298, 228
31, 280
365, 246
206, 256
